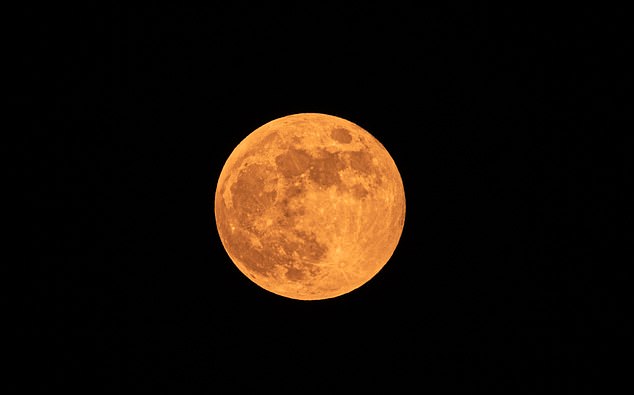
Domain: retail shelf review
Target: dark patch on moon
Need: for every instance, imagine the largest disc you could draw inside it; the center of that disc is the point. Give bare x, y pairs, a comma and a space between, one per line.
288, 212
325, 170
256, 260
310, 250
293, 162
360, 161
359, 192
296, 252
295, 274
295, 190
248, 194
342, 135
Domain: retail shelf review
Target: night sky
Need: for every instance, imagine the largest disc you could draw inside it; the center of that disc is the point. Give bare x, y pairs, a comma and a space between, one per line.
504, 124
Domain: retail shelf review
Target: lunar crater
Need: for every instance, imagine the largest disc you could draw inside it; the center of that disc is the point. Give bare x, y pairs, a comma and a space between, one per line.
341, 135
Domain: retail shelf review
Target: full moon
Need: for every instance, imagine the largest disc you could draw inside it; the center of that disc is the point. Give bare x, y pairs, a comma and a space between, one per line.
310, 206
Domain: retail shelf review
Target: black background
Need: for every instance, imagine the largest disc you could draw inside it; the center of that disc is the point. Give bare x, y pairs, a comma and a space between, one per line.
504, 123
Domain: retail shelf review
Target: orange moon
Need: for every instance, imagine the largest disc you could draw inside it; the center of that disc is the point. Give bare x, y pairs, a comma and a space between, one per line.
310, 206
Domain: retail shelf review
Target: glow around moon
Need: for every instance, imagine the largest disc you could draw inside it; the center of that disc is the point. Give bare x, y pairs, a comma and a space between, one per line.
310, 206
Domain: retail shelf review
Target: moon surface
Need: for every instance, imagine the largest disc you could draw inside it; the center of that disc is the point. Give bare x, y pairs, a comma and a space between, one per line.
310, 206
